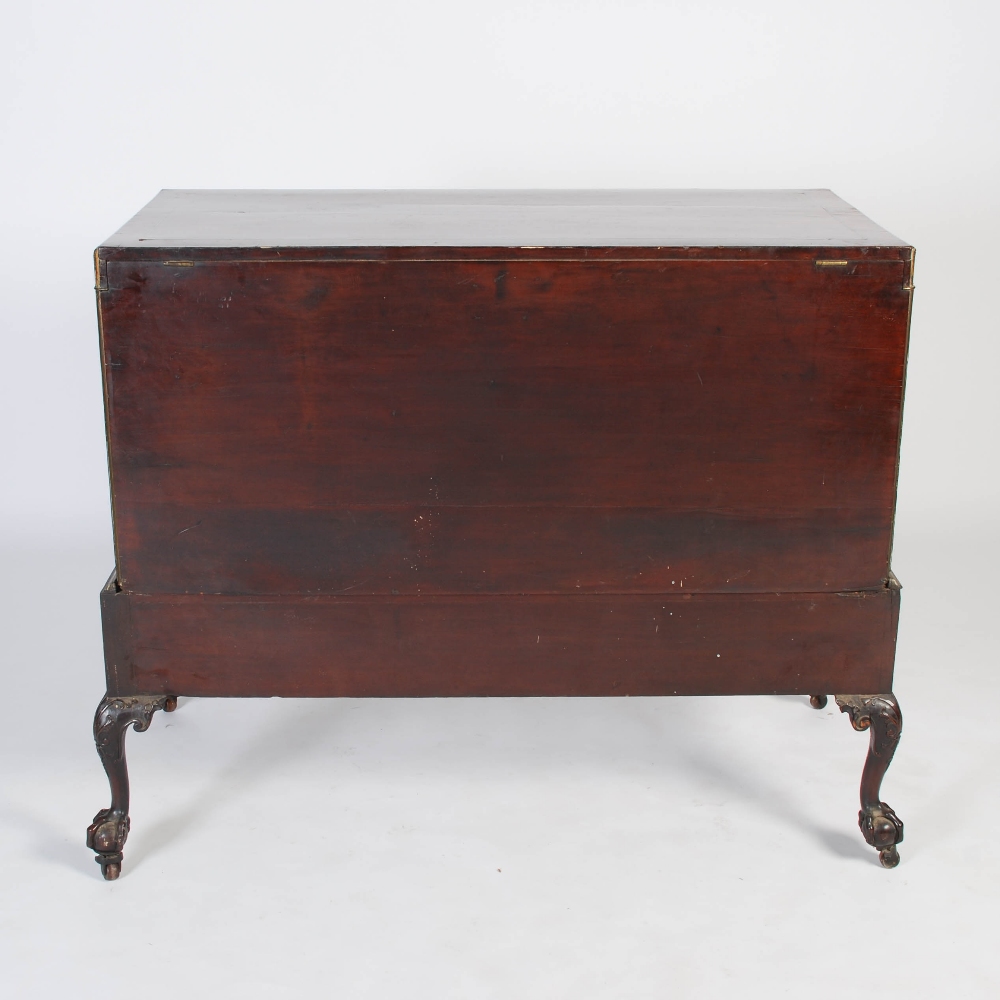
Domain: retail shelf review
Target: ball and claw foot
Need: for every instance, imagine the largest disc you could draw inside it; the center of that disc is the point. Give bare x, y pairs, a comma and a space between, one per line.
883, 830
817, 700
106, 835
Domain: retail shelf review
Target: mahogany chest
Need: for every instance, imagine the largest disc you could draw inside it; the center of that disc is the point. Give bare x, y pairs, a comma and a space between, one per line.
501, 443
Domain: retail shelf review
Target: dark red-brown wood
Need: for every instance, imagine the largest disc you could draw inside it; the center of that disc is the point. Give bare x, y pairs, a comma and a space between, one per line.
697, 644
451, 223
501, 443
504, 427
415, 400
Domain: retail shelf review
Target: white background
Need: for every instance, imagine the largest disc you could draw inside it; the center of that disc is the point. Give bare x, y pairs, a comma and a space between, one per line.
521, 848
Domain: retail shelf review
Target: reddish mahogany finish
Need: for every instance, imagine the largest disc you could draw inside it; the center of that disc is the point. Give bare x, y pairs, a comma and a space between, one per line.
694, 644
300, 403
501, 443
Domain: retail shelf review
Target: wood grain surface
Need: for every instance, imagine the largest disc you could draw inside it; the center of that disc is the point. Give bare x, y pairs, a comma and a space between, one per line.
338, 221
295, 646
506, 427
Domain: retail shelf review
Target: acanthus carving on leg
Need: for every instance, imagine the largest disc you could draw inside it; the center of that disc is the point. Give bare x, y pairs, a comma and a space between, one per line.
107, 834
880, 714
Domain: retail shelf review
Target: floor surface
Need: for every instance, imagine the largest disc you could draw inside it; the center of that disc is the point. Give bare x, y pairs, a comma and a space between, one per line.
521, 848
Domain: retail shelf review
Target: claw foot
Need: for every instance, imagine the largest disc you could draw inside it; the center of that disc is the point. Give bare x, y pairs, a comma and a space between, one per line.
107, 835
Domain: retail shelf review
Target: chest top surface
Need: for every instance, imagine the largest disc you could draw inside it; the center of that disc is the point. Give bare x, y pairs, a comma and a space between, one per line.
522, 220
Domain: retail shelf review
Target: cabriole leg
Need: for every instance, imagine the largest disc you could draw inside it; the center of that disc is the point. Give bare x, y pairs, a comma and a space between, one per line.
106, 835
879, 713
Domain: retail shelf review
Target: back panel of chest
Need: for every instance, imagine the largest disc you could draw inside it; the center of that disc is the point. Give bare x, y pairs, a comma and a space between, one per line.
518, 426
